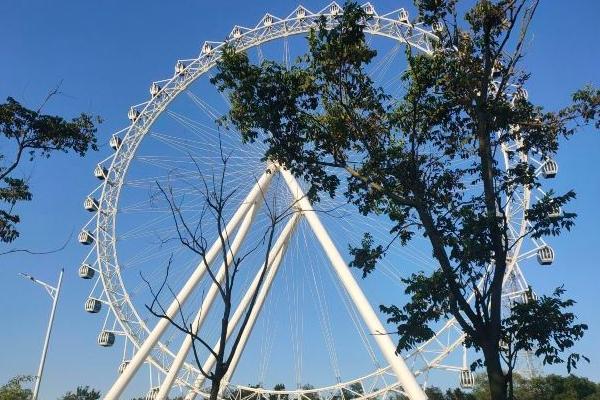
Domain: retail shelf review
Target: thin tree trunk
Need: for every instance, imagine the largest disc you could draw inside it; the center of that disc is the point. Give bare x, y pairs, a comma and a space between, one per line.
496, 378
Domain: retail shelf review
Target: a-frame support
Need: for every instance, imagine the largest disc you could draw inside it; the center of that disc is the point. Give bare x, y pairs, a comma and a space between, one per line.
374, 325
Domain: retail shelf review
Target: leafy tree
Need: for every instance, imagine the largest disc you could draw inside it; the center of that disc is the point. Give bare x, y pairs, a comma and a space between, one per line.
411, 158
14, 390
82, 393
26, 134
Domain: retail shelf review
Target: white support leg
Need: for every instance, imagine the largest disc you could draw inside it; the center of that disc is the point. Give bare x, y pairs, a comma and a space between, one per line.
276, 255
401, 370
212, 293
144, 350
260, 299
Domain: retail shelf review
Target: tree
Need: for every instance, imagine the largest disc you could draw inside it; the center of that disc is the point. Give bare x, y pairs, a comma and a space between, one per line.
216, 196
82, 393
28, 134
14, 390
325, 120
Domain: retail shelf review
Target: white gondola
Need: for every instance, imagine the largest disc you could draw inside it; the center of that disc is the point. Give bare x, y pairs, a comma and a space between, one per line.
115, 142
268, 20
545, 255
497, 69
179, 68
301, 13
106, 339
437, 27
369, 10
100, 172
334, 9
122, 366
237, 32
555, 212
93, 305
528, 296
206, 48
467, 379
90, 204
86, 271
154, 89
549, 168
403, 16
152, 393
85, 237
133, 114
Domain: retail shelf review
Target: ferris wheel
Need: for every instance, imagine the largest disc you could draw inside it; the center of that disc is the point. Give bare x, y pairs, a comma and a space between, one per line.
300, 330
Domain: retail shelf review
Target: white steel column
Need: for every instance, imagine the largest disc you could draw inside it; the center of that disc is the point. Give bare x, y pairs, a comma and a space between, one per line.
144, 350
403, 373
260, 300
275, 257
206, 304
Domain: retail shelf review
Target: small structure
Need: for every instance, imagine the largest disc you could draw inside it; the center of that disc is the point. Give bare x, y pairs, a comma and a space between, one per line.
115, 142
123, 365
100, 172
106, 339
152, 393
86, 271
467, 379
180, 68
90, 204
93, 305
403, 16
85, 237
545, 255
549, 168
133, 114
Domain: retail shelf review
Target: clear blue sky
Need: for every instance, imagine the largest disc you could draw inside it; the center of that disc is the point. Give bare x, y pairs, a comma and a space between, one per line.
107, 53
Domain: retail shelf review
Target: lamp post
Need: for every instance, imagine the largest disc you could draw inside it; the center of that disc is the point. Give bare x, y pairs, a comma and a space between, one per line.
53, 292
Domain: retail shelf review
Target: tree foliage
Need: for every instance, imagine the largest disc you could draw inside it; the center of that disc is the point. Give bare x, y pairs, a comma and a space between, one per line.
412, 158
14, 389
26, 134
82, 393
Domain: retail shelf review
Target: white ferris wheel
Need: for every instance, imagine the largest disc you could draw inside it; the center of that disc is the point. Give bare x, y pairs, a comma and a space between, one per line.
314, 326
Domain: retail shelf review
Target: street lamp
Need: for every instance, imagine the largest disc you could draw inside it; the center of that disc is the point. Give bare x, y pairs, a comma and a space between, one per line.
53, 292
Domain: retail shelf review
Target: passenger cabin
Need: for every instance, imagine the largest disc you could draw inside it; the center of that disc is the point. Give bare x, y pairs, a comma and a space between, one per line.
133, 114
549, 168
85, 237
206, 48
152, 393
93, 305
106, 339
90, 204
545, 255
122, 366
115, 142
154, 89
100, 172
403, 16
268, 20
467, 379
86, 271
179, 68
528, 296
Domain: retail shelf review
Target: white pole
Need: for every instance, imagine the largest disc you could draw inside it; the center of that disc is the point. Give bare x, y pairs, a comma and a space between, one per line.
206, 304
140, 356
277, 250
401, 370
54, 296
260, 299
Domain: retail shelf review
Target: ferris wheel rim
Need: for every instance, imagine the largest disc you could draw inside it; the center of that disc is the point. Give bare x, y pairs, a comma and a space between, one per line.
147, 113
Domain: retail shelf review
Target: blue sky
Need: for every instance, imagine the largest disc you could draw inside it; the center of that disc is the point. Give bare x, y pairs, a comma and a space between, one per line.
106, 54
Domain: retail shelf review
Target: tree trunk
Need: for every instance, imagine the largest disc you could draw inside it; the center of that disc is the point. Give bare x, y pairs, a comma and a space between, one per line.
496, 378
214, 388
